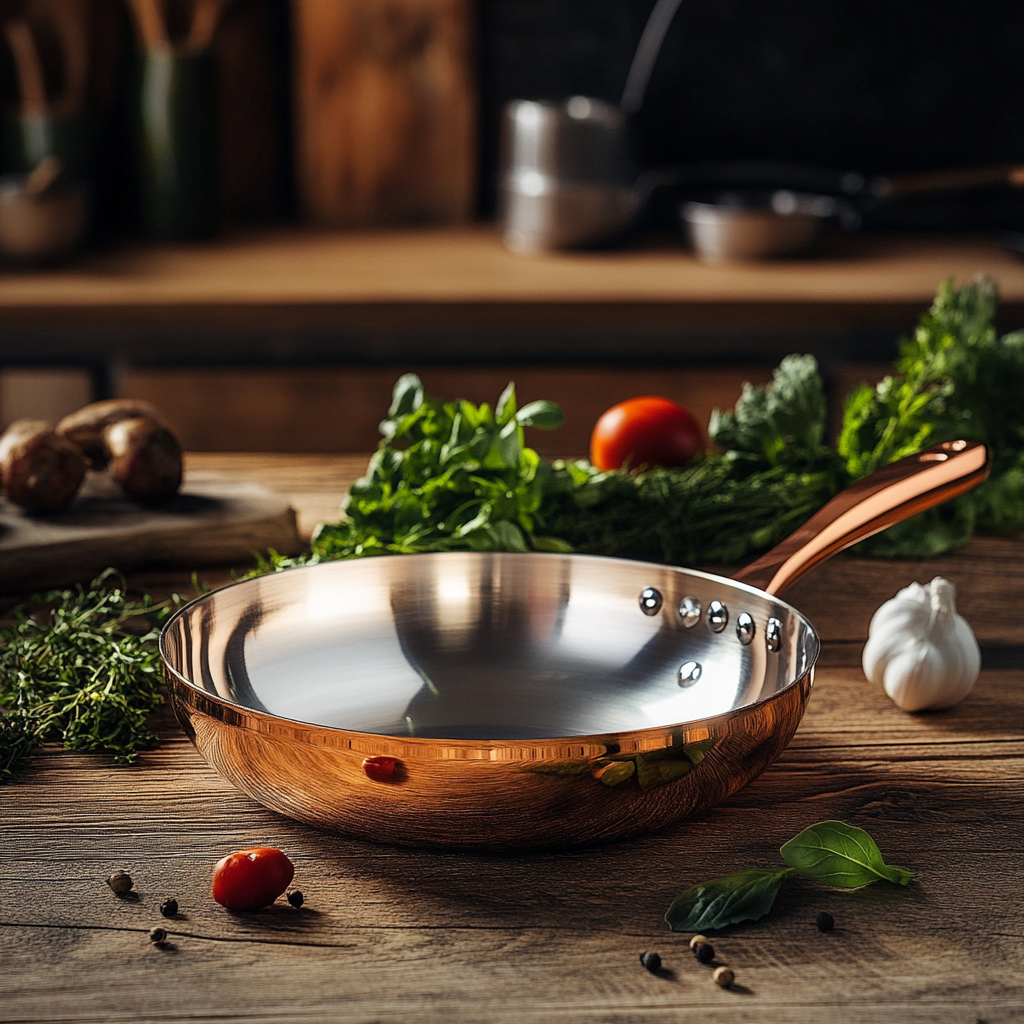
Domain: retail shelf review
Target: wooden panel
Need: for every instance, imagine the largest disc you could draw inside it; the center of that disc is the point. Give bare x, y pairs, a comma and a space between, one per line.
331, 409
385, 111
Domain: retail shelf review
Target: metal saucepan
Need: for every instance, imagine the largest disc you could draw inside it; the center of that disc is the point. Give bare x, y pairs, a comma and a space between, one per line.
517, 700
748, 218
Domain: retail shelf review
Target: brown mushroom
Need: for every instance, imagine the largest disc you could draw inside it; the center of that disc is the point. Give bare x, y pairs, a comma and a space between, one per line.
85, 427
145, 458
40, 470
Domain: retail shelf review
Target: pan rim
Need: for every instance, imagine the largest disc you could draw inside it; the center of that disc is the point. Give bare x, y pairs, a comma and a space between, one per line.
534, 749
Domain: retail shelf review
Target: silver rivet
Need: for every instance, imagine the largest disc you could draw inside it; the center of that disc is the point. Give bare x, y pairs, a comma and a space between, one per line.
650, 601
718, 616
689, 673
773, 635
689, 611
745, 628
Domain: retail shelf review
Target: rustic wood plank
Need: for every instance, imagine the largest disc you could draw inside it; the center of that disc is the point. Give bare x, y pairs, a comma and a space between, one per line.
388, 932
209, 522
385, 111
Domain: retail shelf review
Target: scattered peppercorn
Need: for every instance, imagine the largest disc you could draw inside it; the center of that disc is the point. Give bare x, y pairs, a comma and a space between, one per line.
825, 921
157, 935
697, 939
169, 908
295, 898
651, 961
723, 976
120, 882
704, 952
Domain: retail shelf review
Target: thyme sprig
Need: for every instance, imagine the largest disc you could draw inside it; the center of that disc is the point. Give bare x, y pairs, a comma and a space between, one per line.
81, 667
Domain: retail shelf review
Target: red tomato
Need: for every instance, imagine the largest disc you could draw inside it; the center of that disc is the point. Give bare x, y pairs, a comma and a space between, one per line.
645, 431
250, 879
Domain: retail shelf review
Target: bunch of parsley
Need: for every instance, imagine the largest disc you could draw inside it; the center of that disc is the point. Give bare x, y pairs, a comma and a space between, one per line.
955, 377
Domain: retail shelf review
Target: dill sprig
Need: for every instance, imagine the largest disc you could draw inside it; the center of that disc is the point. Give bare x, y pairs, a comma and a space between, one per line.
81, 667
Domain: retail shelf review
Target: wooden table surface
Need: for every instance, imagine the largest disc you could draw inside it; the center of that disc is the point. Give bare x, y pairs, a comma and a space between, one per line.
393, 935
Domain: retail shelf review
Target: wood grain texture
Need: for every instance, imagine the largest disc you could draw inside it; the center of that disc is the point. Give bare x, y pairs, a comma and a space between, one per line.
337, 409
211, 521
385, 111
391, 934
470, 265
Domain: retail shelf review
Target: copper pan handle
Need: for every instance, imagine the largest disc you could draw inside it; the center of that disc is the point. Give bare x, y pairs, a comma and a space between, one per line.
897, 492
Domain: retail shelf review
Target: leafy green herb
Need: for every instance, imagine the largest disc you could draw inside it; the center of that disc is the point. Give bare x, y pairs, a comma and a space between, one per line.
830, 852
451, 476
841, 855
448, 476
956, 377
746, 896
80, 666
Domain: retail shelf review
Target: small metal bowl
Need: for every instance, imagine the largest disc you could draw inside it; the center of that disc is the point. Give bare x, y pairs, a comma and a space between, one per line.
755, 225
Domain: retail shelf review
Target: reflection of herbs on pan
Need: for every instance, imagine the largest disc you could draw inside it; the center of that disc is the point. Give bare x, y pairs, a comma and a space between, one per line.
654, 768
80, 666
830, 852
451, 476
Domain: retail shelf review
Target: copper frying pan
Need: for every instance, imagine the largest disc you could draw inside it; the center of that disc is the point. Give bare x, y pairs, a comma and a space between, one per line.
517, 700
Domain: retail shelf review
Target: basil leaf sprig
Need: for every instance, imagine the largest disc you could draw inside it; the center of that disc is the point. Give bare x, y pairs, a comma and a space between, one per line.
745, 896
831, 852
840, 855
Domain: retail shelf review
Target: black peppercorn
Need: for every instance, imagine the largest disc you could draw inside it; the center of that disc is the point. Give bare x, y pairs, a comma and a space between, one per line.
825, 921
157, 935
704, 952
169, 908
295, 898
651, 961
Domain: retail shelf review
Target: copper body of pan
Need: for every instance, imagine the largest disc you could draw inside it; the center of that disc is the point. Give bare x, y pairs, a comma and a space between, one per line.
517, 700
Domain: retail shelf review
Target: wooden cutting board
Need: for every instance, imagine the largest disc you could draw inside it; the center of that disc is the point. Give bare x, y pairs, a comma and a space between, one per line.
212, 521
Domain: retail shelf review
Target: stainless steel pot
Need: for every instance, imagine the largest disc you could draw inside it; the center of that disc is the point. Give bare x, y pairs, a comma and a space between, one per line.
517, 700
567, 179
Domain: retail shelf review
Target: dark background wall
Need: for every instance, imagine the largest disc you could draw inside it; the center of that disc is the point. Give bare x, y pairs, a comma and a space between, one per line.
873, 85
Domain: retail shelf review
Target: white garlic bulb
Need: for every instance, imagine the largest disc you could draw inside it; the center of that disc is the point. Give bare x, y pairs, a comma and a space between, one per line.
921, 651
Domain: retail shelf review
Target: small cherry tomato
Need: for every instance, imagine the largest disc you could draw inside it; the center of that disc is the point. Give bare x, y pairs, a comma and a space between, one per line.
250, 879
645, 432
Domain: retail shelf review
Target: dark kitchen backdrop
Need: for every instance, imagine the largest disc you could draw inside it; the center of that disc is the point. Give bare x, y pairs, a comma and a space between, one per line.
869, 85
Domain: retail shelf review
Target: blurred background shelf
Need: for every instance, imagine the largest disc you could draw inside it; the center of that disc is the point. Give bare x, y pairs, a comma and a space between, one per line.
290, 340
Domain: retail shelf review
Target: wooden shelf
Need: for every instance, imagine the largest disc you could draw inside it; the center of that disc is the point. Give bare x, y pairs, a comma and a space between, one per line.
469, 265
247, 292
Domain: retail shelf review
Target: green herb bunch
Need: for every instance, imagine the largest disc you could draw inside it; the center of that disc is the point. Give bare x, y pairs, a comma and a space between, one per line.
81, 667
956, 377
451, 476
447, 476
774, 474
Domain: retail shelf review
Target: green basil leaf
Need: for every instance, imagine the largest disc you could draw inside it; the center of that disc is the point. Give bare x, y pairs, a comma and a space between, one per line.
746, 896
407, 396
506, 407
839, 854
542, 415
